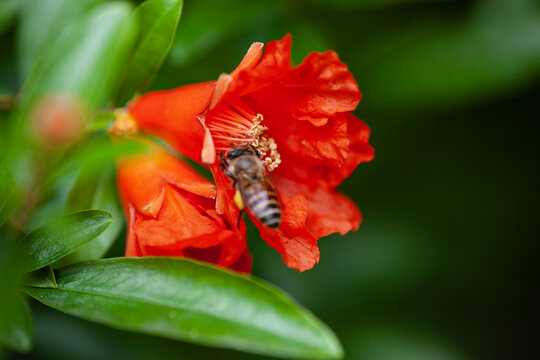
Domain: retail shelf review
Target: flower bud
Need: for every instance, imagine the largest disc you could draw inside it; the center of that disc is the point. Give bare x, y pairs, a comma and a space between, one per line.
57, 120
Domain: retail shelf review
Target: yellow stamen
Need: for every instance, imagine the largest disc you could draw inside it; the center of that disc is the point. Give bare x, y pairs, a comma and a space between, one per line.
266, 147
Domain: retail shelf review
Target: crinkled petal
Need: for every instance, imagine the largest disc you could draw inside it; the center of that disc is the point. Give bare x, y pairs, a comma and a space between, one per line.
301, 141
141, 180
297, 246
171, 211
346, 145
316, 90
330, 212
359, 148
180, 223
274, 63
319, 88
327, 211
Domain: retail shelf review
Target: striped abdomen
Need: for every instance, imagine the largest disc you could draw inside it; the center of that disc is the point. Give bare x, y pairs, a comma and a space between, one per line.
261, 199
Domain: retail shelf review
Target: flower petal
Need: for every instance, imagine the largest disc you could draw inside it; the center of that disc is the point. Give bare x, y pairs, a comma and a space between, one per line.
185, 223
222, 86
327, 210
275, 61
234, 247
243, 264
316, 90
132, 247
359, 148
326, 145
172, 116
224, 81
330, 212
326, 156
251, 58
297, 246
319, 88
141, 180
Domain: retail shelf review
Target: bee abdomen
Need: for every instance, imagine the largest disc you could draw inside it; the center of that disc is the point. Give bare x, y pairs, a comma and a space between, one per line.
262, 201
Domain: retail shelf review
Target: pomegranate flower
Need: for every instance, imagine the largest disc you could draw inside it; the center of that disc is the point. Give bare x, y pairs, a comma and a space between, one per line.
298, 119
171, 211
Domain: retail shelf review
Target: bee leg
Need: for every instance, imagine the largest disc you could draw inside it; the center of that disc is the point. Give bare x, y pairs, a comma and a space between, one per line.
223, 160
223, 165
256, 152
240, 216
229, 174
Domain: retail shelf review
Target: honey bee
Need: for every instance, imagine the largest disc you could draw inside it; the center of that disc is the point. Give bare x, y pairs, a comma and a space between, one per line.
254, 189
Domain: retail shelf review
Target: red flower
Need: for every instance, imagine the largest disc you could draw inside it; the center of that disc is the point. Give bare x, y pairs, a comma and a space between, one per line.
298, 118
171, 211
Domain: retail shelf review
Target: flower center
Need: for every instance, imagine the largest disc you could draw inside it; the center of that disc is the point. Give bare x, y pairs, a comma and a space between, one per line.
235, 124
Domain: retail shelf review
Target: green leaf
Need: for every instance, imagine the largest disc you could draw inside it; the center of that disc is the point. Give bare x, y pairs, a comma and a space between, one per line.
61, 236
184, 300
100, 121
9, 194
157, 20
42, 22
86, 59
16, 329
8, 10
201, 29
92, 154
42, 278
95, 189
15, 318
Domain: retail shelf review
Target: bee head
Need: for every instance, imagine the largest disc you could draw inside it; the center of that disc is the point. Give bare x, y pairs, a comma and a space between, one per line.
239, 151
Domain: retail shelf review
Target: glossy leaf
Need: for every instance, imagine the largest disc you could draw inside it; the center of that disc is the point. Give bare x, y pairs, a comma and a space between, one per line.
9, 194
185, 300
96, 189
43, 278
157, 20
61, 236
86, 58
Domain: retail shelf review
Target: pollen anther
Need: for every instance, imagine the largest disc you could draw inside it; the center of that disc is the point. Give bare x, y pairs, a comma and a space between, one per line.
236, 124
266, 147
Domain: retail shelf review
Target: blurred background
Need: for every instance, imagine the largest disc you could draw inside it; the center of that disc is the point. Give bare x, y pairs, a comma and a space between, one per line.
444, 265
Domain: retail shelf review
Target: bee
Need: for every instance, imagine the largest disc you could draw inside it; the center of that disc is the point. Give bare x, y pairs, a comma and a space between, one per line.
254, 189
